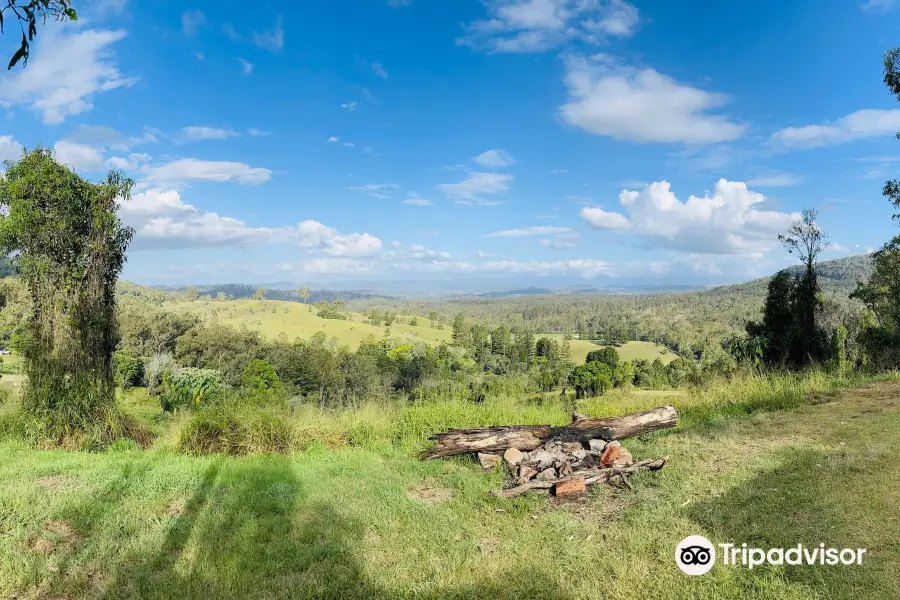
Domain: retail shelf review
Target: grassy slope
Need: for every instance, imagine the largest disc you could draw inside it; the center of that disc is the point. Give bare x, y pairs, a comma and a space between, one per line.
272, 318
351, 524
628, 351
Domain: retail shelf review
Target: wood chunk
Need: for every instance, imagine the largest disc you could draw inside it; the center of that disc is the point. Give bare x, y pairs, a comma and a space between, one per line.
546, 475
610, 453
529, 437
513, 457
623, 459
488, 461
526, 474
564, 469
569, 487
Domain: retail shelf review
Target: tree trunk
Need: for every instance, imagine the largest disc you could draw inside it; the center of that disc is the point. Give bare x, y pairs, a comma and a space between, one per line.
529, 437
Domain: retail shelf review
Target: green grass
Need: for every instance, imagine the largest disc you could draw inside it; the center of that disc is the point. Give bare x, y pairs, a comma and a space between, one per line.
272, 318
630, 351
353, 523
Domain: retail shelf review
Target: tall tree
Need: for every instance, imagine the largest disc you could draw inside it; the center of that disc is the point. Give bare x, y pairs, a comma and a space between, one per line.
70, 246
303, 293
28, 13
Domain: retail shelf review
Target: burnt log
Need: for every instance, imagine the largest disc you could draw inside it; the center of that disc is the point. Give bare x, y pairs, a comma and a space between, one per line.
528, 437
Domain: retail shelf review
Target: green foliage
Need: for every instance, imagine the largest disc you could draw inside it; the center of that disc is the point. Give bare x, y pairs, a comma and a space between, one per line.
607, 356
235, 431
191, 387
333, 310
261, 383
591, 379
28, 13
71, 249
129, 369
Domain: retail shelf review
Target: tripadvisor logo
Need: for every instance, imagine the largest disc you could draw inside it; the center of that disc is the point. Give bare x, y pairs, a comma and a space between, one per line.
696, 555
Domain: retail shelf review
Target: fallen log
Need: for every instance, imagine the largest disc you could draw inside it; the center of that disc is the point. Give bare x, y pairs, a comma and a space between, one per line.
590, 477
529, 437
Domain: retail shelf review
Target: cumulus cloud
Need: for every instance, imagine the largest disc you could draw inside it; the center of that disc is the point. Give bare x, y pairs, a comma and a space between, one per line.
351, 106
10, 149
728, 222
333, 139
162, 220
64, 74
470, 190
539, 25
859, 125
192, 169
561, 241
196, 133
494, 159
415, 199
79, 156
273, 39
641, 105
526, 231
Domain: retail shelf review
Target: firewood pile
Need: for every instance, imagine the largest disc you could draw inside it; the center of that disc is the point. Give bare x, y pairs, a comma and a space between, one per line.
567, 468
564, 460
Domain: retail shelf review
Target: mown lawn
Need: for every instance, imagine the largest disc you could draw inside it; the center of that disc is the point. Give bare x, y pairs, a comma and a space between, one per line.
358, 523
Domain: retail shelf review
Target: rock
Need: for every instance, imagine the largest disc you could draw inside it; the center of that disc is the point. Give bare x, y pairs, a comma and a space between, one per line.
564, 469
596, 445
572, 487
513, 457
488, 461
546, 475
541, 459
610, 453
526, 474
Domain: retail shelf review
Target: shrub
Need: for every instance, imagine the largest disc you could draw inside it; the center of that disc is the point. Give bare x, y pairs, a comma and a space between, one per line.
190, 386
235, 431
261, 384
129, 369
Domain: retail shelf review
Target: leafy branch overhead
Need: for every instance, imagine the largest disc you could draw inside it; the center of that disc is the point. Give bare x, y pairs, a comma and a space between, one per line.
27, 14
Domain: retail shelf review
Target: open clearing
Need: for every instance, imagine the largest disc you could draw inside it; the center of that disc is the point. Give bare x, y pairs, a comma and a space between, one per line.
273, 317
356, 523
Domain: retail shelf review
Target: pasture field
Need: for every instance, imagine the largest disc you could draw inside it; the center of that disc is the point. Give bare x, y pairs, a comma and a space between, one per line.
273, 317
768, 462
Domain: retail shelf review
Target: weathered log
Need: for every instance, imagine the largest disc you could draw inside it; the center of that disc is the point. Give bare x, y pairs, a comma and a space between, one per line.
570, 487
529, 437
590, 477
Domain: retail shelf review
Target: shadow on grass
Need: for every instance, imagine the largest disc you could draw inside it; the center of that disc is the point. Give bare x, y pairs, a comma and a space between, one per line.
813, 497
251, 530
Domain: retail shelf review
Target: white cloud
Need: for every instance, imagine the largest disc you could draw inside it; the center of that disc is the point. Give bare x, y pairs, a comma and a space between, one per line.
196, 133
79, 156
199, 56
494, 159
349, 144
641, 105
859, 125
162, 220
100, 136
418, 252
728, 222
586, 267
378, 69
272, 40
777, 180
559, 172
333, 139
10, 149
880, 6
230, 32
193, 169
539, 25
246, 65
526, 231
835, 247
375, 190
134, 162
192, 21
351, 106
416, 200
257, 132
561, 241
64, 73
470, 189
600, 219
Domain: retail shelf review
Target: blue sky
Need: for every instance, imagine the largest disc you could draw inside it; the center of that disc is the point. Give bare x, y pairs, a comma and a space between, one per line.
591, 141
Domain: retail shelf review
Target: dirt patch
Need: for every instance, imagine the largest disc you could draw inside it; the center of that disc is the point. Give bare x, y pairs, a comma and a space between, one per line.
56, 534
42, 546
429, 490
177, 509
51, 482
